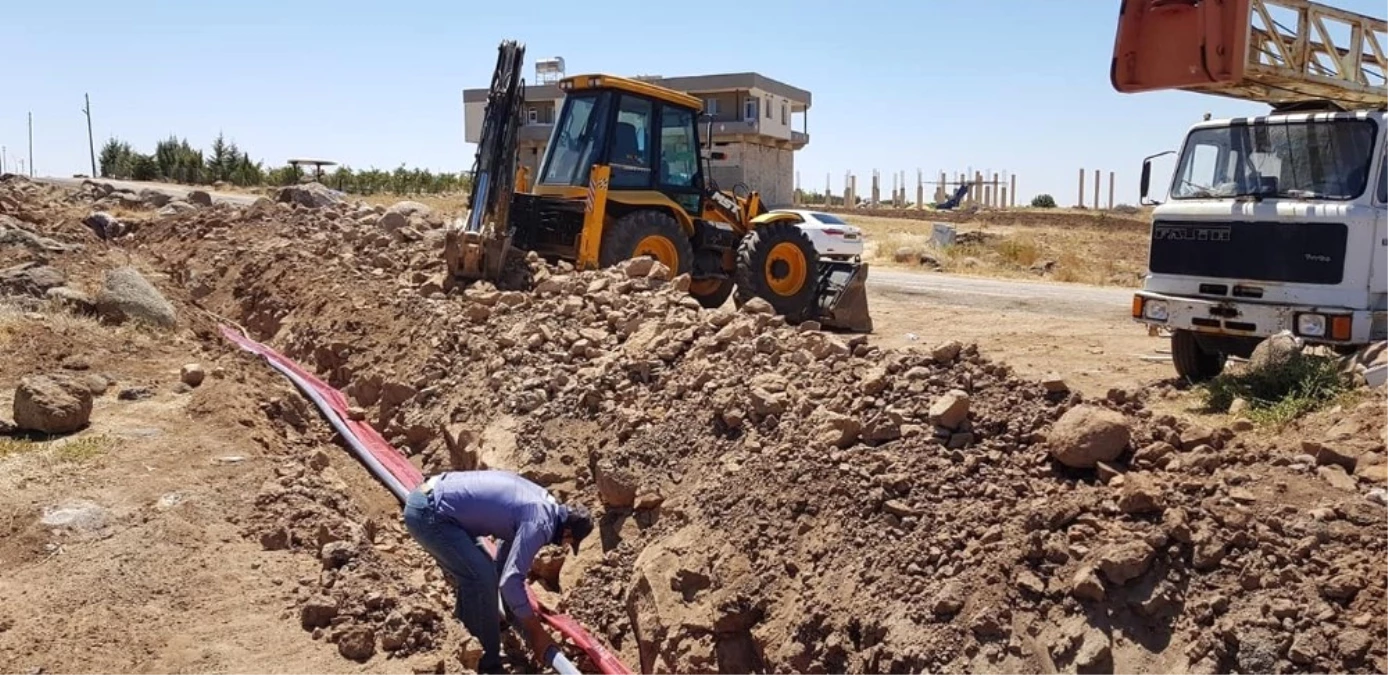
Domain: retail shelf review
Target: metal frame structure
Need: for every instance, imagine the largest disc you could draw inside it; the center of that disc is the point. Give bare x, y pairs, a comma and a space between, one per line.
1240, 49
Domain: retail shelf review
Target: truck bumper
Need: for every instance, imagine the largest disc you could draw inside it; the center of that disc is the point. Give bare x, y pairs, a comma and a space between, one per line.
1225, 318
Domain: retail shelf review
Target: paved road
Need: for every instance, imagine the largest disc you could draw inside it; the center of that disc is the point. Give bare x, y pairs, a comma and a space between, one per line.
1012, 294
173, 190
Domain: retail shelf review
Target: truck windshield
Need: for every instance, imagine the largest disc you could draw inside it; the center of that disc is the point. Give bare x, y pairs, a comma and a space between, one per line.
1316, 159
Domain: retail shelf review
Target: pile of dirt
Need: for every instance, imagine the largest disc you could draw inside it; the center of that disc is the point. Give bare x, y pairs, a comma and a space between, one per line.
774, 497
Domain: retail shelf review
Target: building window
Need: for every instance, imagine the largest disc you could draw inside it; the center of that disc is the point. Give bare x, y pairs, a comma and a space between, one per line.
533, 115
768, 107
711, 106
749, 111
785, 113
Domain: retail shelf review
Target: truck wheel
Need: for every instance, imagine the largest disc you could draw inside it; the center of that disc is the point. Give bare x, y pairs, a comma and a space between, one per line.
647, 233
1192, 362
777, 263
711, 293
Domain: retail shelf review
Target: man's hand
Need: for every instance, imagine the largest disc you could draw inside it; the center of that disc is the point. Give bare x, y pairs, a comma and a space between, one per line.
539, 639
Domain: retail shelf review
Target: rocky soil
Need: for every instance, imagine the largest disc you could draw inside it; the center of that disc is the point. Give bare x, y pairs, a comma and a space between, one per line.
773, 498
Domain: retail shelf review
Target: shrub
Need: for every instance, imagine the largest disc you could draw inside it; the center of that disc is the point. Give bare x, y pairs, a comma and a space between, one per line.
1043, 202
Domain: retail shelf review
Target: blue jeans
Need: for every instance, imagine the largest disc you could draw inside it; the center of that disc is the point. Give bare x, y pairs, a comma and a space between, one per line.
474, 573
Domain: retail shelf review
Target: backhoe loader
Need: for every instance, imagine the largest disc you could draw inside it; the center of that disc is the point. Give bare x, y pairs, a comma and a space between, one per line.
625, 175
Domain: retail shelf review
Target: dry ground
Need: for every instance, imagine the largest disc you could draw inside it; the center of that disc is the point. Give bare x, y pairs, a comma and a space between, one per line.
1100, 248
181, 570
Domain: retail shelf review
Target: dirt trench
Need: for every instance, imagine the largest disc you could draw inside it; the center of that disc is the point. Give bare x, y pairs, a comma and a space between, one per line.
772, 498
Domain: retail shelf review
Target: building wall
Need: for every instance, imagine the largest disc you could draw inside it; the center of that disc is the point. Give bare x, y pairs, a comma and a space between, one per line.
774, 115
768, 170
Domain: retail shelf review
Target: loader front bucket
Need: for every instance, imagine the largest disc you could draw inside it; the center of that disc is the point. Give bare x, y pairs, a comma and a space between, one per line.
842, 299
472, 255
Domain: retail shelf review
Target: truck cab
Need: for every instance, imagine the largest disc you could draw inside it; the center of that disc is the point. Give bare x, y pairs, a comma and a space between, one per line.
1271, 223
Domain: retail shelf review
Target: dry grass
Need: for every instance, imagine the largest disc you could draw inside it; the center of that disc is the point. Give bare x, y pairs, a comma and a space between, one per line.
1085, 249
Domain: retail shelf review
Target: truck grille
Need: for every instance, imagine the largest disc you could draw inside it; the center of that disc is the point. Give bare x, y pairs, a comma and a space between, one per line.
1308, 253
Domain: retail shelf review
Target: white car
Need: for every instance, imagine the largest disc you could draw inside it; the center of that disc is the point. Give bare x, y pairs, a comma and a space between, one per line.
832, 237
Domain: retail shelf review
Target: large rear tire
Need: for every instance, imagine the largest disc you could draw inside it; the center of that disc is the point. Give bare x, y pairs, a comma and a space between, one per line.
648, 232
1192, 362
712, 293
777, 263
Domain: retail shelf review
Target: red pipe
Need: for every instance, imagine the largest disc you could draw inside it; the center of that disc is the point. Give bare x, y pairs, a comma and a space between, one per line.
399, 473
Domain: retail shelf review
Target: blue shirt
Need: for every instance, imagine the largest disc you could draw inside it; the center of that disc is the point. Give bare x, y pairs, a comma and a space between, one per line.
504, 505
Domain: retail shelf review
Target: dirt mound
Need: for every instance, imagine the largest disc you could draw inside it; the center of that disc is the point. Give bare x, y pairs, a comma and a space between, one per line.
773, 497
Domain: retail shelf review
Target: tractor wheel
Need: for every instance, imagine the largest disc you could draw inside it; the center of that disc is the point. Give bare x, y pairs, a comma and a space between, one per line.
777, 263
712, 293
647, 233
1192, 362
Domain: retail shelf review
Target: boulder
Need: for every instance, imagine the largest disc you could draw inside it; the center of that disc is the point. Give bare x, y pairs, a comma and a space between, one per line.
127, 295
1086, 435
52, 404
309, 195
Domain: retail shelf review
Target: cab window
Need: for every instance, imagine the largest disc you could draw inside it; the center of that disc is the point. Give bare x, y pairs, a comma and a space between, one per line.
631, 144
678, 156
1383, 179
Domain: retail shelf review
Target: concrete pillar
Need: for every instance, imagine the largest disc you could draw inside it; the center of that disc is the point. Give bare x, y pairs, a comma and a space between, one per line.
1003, 201
978, 187
1081, 188
1110, 190
997, 196
1096, 189
1013, 191
920, 190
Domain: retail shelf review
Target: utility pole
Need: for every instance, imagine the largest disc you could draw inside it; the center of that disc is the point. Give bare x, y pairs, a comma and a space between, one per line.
31, 145
3, 163
91, 145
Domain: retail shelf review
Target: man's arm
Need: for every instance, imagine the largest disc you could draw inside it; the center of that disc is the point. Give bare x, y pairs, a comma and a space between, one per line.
529, 538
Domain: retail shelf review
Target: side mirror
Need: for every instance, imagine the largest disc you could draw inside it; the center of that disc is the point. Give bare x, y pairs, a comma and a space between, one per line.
1146, 181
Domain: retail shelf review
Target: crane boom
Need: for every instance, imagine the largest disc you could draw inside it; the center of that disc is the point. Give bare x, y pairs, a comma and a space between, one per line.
1280, 52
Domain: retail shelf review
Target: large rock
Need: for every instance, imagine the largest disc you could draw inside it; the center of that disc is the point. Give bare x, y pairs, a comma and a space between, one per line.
1086, 435
52, 404
1275, 352
127, 295
309, 195
30, 279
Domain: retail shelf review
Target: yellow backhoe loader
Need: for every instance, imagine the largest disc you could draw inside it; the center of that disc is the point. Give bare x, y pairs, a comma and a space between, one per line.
625, 174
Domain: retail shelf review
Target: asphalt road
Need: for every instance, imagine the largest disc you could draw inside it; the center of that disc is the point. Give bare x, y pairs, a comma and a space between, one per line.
1032, 296
963, 291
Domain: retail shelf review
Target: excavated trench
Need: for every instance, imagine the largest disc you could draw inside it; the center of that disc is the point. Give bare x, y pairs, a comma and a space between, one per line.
776, 498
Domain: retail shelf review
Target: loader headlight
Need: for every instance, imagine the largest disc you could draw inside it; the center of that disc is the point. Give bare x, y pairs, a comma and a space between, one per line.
1310, 325
1155, 310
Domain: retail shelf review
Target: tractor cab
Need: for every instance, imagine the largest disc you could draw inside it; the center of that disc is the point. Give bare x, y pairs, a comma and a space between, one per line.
647, 135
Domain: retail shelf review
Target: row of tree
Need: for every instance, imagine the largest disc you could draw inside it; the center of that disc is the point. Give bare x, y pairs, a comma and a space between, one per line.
174, 160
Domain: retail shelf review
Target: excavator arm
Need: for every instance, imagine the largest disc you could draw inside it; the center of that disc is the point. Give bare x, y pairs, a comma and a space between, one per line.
479, 248
1286, 53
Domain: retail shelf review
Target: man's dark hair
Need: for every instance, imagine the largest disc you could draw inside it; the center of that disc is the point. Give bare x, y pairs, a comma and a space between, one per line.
579, 524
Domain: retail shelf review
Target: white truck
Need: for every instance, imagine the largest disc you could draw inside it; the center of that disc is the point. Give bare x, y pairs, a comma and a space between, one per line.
1271, 223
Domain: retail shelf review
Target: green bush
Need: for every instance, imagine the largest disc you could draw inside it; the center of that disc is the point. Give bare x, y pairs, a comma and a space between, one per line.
1043, 202
1278, 394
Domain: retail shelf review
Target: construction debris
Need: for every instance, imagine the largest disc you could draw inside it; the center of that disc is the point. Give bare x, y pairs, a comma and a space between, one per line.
774, 498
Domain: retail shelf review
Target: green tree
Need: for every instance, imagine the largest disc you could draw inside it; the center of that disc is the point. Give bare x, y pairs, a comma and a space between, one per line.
1043, 201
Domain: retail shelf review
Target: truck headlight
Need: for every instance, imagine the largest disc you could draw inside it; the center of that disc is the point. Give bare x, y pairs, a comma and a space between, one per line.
1154, 310
1310, 325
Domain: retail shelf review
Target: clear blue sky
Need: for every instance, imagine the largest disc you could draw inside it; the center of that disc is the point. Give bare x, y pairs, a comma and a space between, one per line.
1015, 85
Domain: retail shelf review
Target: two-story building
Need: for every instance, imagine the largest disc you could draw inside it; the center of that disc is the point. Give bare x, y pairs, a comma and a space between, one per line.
753, 118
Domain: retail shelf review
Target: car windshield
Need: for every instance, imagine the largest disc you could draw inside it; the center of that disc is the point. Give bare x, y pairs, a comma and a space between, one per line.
1317, 159
828, 219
